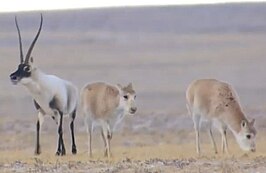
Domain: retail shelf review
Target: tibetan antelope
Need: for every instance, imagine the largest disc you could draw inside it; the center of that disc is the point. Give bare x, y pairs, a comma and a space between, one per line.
52, 96
218, 103
106, 105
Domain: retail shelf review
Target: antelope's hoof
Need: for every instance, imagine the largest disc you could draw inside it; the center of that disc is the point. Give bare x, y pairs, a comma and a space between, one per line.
107, 156
74, 150
37, 152
63, 152
58, 153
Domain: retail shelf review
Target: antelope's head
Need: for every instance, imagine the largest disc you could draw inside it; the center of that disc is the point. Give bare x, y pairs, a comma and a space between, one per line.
247, 135
25, 67
127, 98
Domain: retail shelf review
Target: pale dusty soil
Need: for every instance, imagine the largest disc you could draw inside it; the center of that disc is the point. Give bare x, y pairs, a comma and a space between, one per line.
139, 150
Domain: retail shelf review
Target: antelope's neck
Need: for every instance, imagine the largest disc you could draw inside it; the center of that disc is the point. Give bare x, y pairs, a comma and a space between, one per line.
233, 120
35, 81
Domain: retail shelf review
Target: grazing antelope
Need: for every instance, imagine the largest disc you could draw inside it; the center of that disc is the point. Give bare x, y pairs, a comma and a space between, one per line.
218, 103
52, 96
106, 105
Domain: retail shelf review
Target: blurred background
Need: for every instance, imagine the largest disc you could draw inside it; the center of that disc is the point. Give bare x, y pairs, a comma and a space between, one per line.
159, 49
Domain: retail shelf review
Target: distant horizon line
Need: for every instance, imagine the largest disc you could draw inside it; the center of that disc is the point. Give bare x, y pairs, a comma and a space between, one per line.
129, 6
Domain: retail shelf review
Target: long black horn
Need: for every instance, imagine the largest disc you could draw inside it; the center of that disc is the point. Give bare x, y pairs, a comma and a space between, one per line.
20, 43
33, 43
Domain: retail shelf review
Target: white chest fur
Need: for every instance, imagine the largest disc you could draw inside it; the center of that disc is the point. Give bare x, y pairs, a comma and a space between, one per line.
43, 88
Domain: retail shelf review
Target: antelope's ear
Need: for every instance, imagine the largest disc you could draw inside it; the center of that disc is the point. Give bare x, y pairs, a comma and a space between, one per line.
252, 122
130, 86
30, 61
119, 86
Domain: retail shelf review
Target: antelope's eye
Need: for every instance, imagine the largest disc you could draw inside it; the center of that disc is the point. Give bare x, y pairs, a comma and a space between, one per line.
125, 97
135, 97
248, 136
26, 69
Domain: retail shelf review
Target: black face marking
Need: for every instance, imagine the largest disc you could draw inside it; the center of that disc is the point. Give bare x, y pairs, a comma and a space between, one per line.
23, 71
26, 69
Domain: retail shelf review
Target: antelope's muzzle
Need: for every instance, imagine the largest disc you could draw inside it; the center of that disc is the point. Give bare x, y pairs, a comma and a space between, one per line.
14, 78
133, 110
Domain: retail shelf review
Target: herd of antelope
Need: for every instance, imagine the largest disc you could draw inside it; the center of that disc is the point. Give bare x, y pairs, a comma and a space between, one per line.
106, 105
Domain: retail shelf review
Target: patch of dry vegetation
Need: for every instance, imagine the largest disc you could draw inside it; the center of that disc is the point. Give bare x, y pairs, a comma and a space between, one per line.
137, 158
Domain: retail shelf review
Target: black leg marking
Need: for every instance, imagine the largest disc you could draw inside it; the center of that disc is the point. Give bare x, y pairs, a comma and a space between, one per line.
74, 148
59, 141
61, 147
55, 105
58, 152
38, 107
38, 149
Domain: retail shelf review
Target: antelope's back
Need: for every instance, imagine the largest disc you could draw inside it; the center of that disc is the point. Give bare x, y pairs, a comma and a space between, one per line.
212, 97
200, 91
72, 92
99, 99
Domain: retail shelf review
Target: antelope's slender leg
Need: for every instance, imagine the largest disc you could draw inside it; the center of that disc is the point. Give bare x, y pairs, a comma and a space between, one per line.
38, 129
74, 148
212, 139
107, 137
88, 123
61, 147
196, 120
224, 141
105, 144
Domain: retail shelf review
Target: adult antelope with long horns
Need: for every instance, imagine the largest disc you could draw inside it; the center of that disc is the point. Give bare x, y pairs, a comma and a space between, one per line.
52, 95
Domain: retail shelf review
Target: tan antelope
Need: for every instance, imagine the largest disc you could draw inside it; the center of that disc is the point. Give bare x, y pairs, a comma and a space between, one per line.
106, 105
218, 103
52, 95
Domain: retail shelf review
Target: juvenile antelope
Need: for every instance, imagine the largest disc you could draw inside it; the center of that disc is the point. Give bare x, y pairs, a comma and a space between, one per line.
106, 105
218, 103
52, 96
